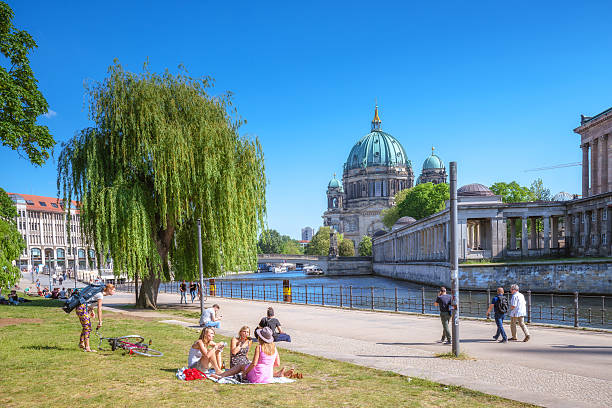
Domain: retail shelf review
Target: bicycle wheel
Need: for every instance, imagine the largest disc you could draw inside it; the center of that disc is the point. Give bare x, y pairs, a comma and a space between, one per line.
126, 342
145, 351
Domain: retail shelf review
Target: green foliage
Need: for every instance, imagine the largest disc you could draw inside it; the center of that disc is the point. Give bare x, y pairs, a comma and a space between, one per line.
512, 192
540, 192
11, 241
365, 246
346, 248
391, 215
20, 100
423, 200
163, 153
292, 247
319, 244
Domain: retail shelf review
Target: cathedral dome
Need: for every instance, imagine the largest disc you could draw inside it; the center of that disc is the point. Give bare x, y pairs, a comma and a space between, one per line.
335, 183
377, 148
433, 162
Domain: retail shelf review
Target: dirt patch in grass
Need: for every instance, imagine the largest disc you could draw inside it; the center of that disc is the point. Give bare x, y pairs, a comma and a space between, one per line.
8, 321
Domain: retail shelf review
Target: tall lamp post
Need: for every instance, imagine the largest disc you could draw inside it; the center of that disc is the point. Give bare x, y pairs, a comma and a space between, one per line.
201, 271
76, 265
454, 257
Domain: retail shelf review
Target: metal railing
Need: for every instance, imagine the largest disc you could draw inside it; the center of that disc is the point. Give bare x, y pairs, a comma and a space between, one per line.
577, 310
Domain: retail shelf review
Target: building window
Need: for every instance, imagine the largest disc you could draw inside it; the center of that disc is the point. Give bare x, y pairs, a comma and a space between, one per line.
593, 239
604, 238
594, 215
604, 214
582, 240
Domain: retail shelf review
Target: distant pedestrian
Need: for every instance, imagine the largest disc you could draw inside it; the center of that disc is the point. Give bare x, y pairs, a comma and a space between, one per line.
518, 311
192, 290
183, 291
60, 279
443, 301
500, 304
54, 278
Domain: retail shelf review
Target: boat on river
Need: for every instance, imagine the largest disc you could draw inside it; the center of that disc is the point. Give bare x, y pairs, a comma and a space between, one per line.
312, 270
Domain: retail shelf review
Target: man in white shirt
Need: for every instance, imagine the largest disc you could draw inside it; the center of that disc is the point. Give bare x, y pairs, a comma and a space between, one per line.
211, 317
518, 311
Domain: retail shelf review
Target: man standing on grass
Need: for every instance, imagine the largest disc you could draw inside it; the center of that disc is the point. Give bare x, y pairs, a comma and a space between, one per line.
443, 301
500, 303
518, 311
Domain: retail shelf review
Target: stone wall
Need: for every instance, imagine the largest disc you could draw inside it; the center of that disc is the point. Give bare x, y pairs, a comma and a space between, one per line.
586, 277
349, 265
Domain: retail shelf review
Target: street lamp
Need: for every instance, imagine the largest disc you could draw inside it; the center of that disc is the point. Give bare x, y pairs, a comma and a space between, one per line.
201, 271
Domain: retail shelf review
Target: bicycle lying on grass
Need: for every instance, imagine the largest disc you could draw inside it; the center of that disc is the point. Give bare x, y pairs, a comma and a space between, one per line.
133, 344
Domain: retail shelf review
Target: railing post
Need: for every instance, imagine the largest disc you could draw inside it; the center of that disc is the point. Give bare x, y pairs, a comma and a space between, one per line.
306, 293
240, 289
603, 309
528, 306
231, 289
422, 300
351, 296
264, 291
277, 292
371, 298
322, 296
341, 305
552, 305
396, 308
575, 309
252, 290
488, 297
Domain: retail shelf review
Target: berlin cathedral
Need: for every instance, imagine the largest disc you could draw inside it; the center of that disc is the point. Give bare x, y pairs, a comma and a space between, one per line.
375, 170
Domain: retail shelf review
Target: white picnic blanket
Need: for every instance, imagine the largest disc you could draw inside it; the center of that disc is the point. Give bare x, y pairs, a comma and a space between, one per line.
232, 380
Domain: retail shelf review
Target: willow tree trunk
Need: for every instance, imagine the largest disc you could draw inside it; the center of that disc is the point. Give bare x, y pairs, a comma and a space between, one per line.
147, 295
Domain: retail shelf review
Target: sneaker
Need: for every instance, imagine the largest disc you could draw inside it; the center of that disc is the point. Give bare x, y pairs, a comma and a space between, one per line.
447, 342
526, 339
512, 339
503, 341
495, 338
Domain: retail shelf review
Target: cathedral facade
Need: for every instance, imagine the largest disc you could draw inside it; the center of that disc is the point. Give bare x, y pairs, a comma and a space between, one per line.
376, 169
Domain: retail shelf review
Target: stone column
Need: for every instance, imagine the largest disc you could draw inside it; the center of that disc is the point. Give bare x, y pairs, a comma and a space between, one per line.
534, 234
587, 231
524, 237
594, 167
608, 230
546, 224
604, 186
554, 239
512, 233
585, 170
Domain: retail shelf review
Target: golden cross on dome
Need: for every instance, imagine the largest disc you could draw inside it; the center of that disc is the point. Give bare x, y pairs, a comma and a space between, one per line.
432, 150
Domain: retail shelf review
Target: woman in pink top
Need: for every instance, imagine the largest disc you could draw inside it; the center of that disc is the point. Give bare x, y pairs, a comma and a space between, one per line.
261, 370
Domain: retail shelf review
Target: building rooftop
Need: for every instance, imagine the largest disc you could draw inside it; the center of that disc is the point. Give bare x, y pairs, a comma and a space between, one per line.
41, 203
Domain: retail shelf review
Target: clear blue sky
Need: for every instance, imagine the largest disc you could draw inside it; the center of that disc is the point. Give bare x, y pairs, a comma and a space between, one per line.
497, 87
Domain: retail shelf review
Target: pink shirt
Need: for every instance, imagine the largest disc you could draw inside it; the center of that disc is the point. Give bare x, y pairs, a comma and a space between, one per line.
264, 370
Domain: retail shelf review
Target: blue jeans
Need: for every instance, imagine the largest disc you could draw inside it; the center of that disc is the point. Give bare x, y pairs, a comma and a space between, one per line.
282, 337
212, 324
183, 297
193, 295
499, 321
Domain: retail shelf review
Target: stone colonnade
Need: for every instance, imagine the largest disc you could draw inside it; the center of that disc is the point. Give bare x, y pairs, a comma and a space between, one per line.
597, 165
589, 230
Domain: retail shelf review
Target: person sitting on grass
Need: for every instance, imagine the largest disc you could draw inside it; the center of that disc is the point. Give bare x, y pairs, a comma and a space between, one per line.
266, 357
205, 353
239, 347
274, 325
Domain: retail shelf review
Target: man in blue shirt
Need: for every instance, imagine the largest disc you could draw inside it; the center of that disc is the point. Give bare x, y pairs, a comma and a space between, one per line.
500, 304
443, 301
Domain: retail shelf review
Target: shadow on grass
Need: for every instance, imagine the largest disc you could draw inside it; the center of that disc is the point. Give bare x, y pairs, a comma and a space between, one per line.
45, 347
168, 370
43, 302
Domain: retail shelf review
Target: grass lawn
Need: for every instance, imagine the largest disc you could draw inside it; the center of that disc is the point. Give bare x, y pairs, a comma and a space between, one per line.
41, 365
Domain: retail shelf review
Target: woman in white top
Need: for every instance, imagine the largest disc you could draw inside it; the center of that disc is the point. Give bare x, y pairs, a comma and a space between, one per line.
205, 353
86, 313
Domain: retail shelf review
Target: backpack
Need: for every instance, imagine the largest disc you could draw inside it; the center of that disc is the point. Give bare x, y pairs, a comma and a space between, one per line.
501, 306
81, 297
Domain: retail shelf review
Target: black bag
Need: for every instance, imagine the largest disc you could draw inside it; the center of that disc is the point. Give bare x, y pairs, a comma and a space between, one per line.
80, 297
501, 306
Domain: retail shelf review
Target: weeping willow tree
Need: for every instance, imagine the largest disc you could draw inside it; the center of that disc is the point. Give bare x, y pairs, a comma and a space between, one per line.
162, 154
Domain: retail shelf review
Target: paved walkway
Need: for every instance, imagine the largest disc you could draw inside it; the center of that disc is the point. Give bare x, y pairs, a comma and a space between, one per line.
557, 368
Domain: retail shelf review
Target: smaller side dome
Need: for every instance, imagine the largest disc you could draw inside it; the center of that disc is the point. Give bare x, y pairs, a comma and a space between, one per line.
405, 220
474, 190
433, 162
563, 196
335, 183
379, 233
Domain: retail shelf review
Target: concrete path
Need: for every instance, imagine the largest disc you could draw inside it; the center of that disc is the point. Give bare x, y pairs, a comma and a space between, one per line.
557, 368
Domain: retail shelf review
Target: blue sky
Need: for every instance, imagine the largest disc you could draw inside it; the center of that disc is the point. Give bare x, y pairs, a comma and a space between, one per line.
497, 87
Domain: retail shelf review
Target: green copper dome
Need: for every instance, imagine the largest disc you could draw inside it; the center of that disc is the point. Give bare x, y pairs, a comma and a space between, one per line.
433, 162
335, 183
377, 148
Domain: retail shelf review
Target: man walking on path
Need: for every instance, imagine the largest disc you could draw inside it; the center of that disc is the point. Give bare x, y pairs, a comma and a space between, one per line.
183, 291
443, 301
518, 311
500, 303
192, 290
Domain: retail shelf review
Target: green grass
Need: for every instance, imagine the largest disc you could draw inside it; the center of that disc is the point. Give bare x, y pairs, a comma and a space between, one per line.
41, 365
451, 356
